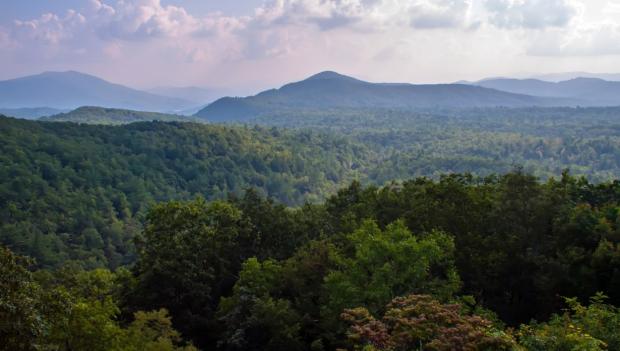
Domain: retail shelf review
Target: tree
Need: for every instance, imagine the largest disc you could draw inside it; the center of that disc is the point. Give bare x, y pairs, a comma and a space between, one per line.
389, 263
21, 322
252, 318
419, 322
589, 328
153, 331
188, 258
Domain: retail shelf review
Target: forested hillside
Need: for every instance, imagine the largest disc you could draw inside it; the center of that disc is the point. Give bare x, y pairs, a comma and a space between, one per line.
79, 192
543, 141
200, 258
462, 263
101, 115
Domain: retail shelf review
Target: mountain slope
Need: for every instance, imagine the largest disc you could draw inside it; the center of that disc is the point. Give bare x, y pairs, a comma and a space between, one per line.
75, 191
102, 115
332, 90
69, 90
588, 91
30, 112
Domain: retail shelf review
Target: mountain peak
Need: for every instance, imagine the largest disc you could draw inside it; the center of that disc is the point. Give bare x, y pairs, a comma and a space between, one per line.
64, 73
67, 76
329, 75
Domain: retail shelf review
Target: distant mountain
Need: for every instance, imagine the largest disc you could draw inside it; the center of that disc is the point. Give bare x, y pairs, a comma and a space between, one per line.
585, 91
194, 94
332, 90
69, 90
101, 115
192, 111
30, 112
559, 77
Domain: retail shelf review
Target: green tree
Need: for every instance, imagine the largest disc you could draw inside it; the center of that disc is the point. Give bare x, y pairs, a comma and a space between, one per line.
188, 258
592, 327
391, 262
252, 318
153, 331
21, 321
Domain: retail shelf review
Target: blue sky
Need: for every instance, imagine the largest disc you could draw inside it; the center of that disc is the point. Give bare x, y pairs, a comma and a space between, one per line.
254, 44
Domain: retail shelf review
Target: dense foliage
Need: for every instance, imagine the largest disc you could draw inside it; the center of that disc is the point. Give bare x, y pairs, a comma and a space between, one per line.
74, 310
515, 245
201, 256
442, 264
544, 141
80, 192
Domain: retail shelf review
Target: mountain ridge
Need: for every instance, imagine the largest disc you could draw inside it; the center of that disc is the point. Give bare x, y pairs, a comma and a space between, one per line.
72, 89
330, 89
112, 116
588, 91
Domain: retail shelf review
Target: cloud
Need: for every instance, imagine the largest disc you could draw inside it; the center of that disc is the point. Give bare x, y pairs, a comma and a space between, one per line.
588, 40
366, 15
271, 24
439, 14
142, 19
101, 7
148, 19
156, 41
324, 14
530, 14
48, 28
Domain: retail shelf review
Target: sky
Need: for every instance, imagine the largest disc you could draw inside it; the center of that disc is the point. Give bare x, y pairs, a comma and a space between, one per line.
257, 44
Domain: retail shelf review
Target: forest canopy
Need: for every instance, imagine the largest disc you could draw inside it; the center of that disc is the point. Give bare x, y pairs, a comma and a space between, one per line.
183, 236
503, 262
81, 192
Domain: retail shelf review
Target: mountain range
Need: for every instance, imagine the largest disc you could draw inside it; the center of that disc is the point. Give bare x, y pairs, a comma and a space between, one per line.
69, 90
583, 91
333, 90
49, 93
559, 77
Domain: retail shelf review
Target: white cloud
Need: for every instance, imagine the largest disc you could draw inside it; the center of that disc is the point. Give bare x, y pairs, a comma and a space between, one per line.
101, 7
142, 19
324, 14
366, 14
145, 19
533, 14
588, 40
439, 14
49, 28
